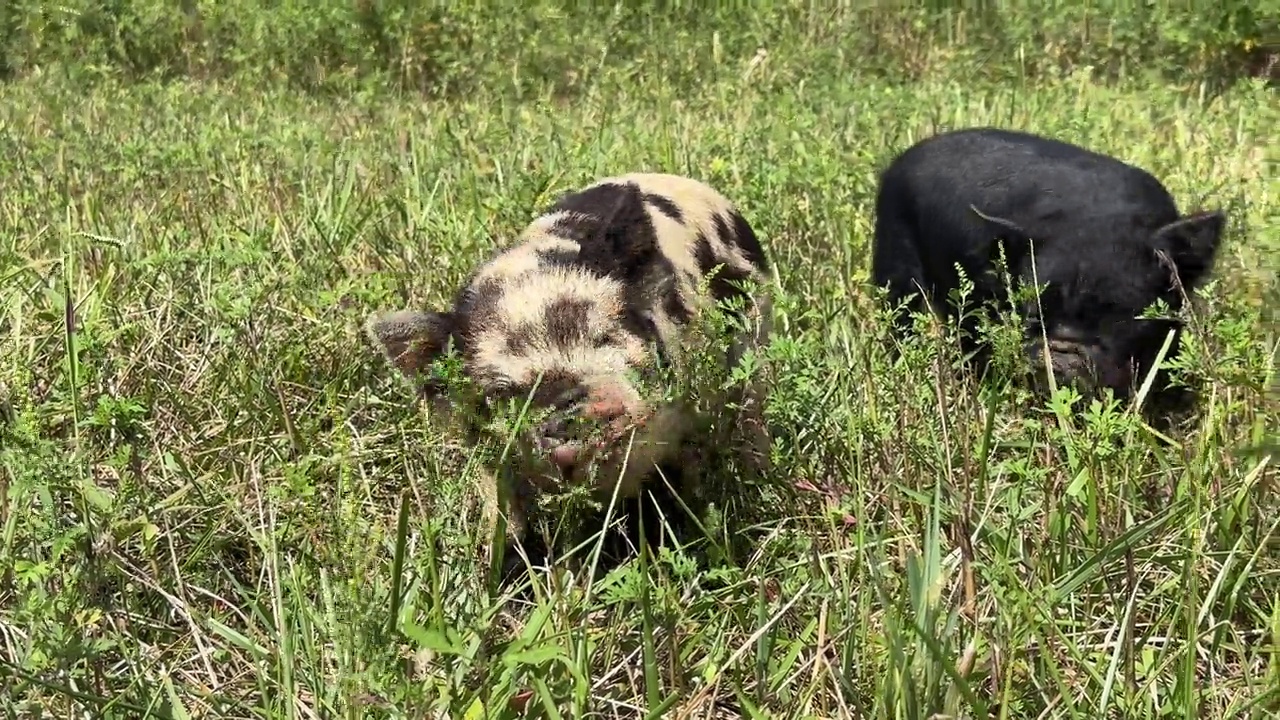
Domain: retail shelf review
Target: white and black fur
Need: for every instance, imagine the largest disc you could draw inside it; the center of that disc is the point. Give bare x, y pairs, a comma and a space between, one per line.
605, 283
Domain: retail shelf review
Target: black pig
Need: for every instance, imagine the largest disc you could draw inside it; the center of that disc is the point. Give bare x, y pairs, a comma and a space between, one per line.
1107, 240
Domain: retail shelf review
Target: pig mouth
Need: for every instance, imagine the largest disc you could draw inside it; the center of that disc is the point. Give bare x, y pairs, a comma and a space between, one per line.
1070, 364
571, 457
1086, 368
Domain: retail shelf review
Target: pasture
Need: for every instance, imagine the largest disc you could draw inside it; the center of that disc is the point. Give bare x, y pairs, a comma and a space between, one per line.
216, 499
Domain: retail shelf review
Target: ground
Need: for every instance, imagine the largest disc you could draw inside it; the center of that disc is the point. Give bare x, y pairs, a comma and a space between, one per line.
218, 501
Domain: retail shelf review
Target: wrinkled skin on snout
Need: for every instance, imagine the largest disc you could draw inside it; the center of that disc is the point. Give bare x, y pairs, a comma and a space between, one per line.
601, 433
582, 424
1091, 341
564, 436
1076, 361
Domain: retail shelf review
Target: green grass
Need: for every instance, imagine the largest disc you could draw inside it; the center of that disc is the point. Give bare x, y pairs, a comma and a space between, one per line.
219, 502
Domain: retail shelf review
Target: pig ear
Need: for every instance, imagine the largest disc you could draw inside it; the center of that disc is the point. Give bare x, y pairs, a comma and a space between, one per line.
1008, 234
409, 339
1191, 242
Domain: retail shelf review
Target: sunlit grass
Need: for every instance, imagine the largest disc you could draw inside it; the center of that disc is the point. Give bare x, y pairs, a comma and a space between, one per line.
218, 500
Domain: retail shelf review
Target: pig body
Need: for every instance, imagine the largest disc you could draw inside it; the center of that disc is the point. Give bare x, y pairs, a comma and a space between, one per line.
577, 315
1108, 242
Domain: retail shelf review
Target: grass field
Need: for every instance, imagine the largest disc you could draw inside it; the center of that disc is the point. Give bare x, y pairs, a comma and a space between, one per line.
219, 502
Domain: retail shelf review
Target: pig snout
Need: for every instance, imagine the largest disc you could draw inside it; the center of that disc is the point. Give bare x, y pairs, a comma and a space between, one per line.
561, 436
1071, 362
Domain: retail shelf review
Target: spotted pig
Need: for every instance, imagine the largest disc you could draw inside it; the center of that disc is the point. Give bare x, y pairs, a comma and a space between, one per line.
578, 315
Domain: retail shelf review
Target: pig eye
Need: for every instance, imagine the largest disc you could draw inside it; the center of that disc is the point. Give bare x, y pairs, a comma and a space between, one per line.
501, 395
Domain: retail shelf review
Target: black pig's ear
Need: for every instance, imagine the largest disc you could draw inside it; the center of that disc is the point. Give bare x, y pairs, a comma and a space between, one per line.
1008, 234
410, 339
1191, 242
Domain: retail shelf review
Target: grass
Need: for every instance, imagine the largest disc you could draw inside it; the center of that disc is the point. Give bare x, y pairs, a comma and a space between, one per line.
219, 502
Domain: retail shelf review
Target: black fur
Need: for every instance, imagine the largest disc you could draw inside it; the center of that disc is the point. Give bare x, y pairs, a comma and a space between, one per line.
723, 285
566, 321
665, 205
1099, 227
618, 238
737, 231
